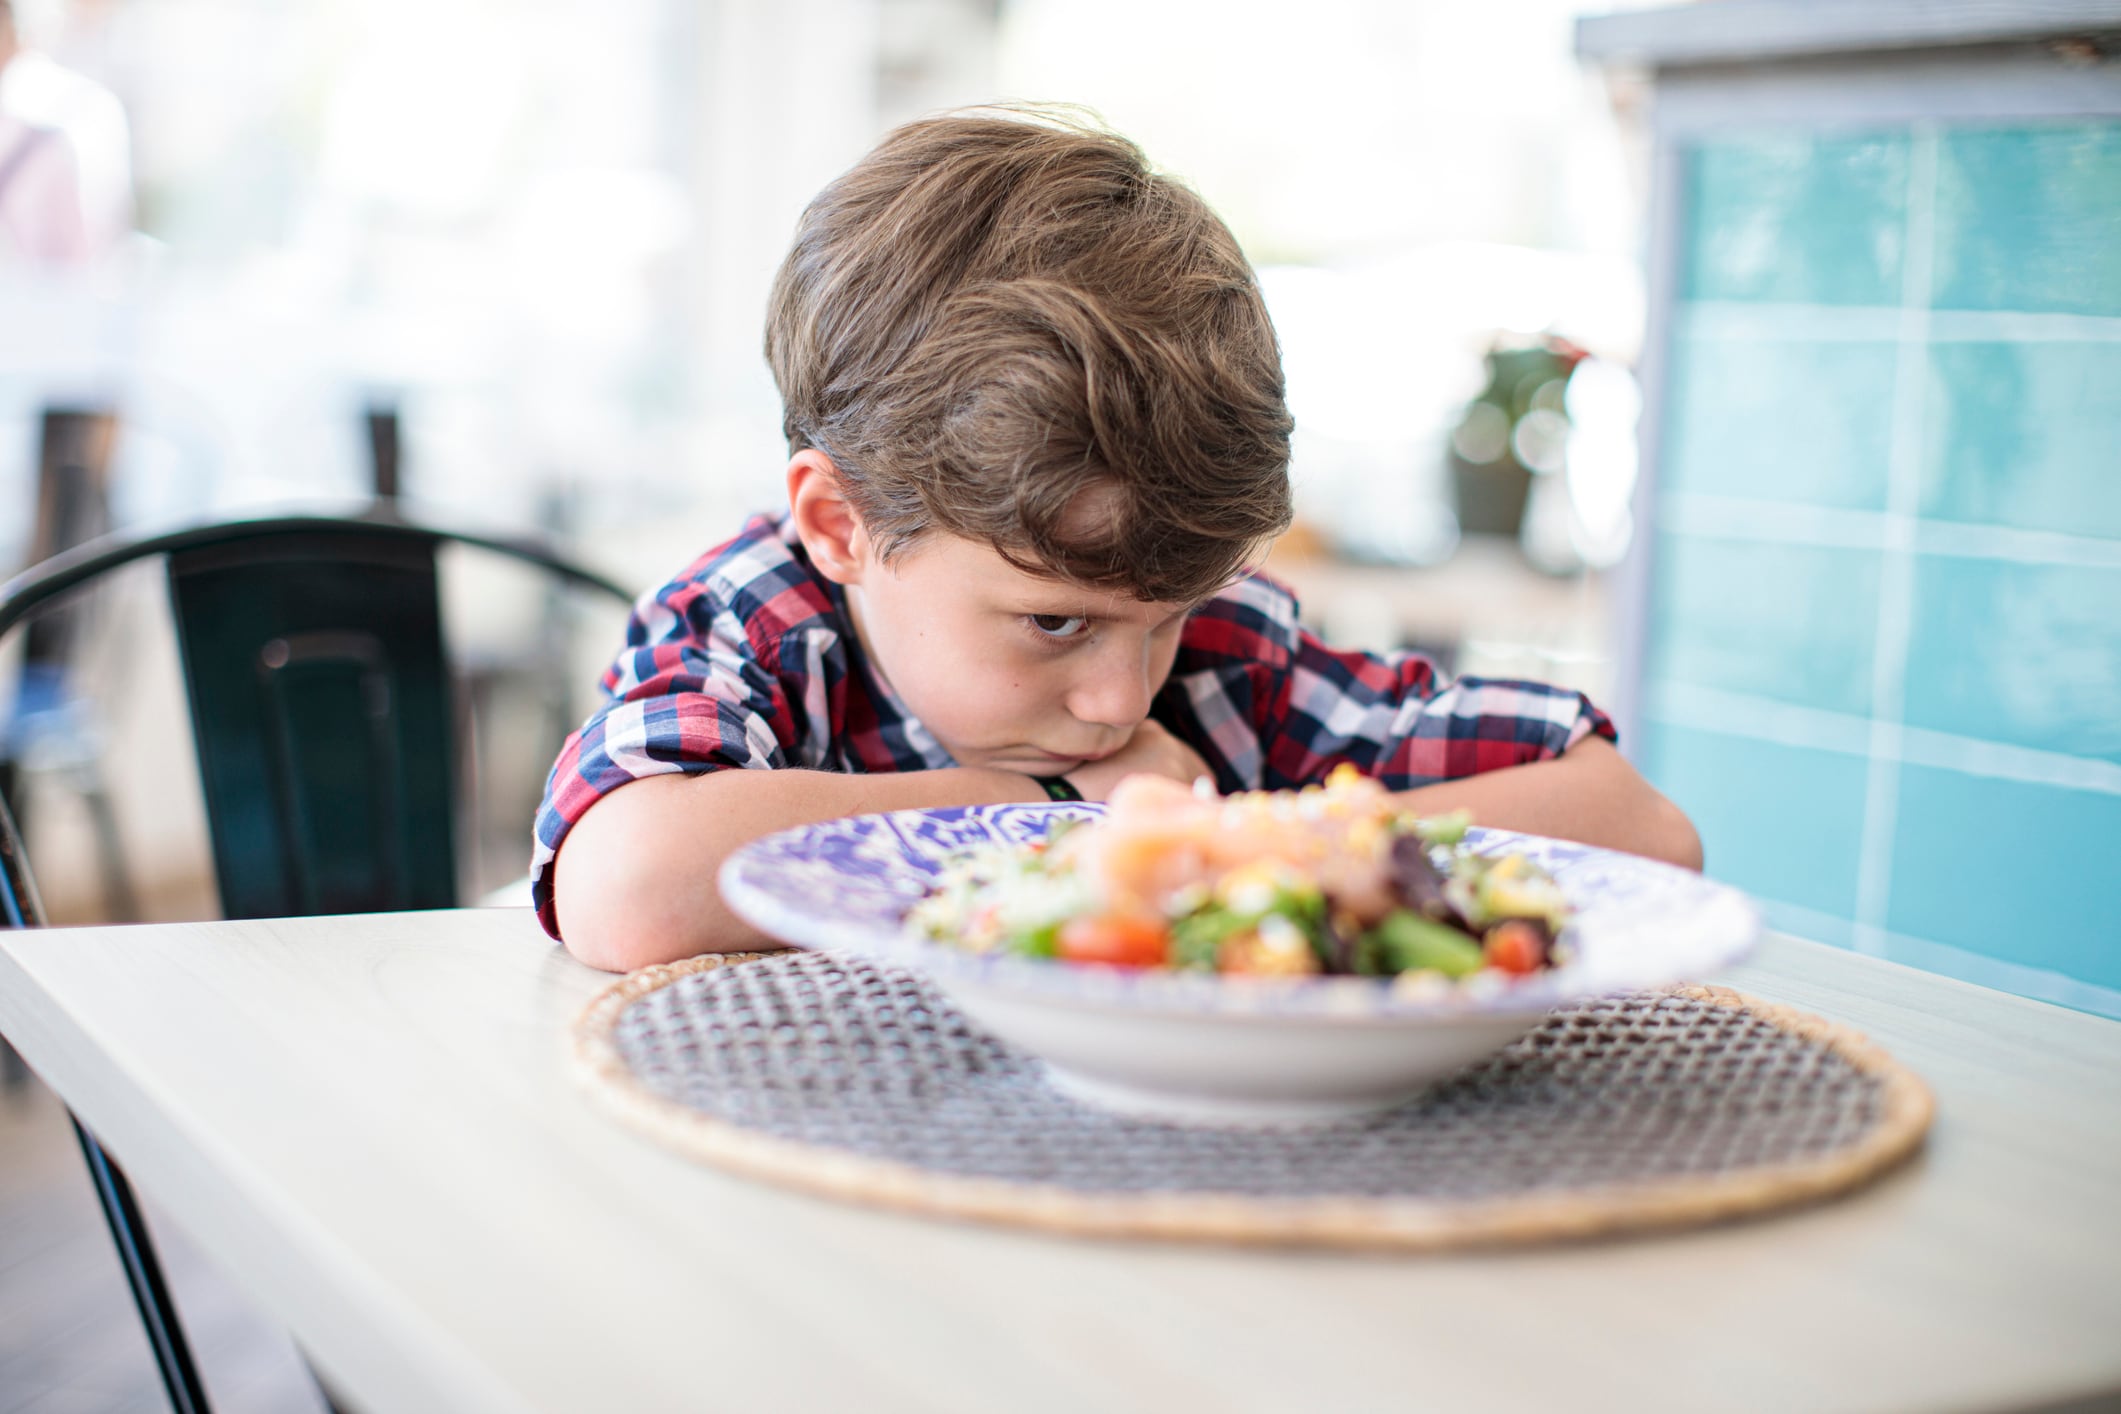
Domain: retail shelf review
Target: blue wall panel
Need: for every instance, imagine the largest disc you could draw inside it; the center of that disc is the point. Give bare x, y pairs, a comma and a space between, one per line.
1883, 650
2029, 219
1797, 421
1788, 623
2025, 434
2025, 655
1735, 787
1795, 219
2035, 878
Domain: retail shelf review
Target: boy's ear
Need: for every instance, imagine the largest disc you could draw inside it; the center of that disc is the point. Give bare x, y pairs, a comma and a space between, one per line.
825, 519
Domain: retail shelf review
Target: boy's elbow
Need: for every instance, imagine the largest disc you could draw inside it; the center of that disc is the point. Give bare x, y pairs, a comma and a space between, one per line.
608, 945
1637, 816
634, 880
604, 923
1676, 841
617, 899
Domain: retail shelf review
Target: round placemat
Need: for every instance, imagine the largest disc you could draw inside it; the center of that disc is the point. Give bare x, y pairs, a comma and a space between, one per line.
1647, 1110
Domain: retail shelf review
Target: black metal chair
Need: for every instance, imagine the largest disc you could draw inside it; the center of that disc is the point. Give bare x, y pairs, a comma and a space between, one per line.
327, 748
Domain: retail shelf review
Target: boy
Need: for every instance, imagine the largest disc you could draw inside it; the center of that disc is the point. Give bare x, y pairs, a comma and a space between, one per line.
1034, 409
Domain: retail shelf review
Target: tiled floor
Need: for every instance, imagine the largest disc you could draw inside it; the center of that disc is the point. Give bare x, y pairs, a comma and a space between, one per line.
70, 1340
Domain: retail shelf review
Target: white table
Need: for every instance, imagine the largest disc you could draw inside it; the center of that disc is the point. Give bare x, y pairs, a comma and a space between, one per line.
371, 1121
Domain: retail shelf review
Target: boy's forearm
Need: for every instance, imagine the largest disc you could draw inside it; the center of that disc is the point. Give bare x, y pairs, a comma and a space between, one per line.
634, 882
1589, 793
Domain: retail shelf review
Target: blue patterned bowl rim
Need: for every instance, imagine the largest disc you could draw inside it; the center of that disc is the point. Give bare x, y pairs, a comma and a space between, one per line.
844, 886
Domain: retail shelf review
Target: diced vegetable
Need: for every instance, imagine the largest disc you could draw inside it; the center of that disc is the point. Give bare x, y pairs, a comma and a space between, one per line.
1444, 829
1416, 880
1407, 942
1115, 940
1196, 939
1276, 948
1516, 945
1511, 888
1040, 942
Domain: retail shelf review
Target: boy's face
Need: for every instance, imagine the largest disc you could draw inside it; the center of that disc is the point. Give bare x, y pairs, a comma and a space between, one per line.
1006, 669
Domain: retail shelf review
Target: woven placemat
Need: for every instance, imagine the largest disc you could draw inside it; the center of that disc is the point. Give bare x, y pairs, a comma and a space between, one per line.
1649, 1110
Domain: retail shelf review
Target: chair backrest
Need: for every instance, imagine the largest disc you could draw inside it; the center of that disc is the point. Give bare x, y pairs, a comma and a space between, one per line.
320, 700
321, 712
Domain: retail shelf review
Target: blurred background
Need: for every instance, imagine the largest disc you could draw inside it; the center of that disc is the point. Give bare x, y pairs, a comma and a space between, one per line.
1766, 388
1754, 367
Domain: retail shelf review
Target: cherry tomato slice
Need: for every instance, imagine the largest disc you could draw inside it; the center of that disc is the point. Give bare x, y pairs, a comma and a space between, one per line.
1115, 940
1513, 946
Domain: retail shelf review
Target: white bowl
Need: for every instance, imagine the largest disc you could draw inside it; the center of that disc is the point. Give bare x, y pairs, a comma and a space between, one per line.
1195, 1047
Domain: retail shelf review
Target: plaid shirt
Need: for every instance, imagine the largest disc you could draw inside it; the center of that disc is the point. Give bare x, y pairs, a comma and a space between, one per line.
745, 660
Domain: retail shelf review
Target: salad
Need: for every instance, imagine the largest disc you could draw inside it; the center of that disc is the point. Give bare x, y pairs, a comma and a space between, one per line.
1332, 879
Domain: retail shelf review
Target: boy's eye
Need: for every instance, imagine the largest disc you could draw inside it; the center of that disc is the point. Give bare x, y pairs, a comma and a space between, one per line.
1058, 625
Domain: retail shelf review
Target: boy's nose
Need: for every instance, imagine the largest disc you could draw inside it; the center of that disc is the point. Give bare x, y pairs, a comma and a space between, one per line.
1115, 691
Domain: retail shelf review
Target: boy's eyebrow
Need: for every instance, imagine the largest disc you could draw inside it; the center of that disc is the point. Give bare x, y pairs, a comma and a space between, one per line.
1061, 609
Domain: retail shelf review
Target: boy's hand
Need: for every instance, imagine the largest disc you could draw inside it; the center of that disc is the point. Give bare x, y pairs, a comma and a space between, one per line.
1151, 751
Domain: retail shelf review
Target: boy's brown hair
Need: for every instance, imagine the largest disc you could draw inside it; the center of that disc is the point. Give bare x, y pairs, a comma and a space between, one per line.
996, 311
